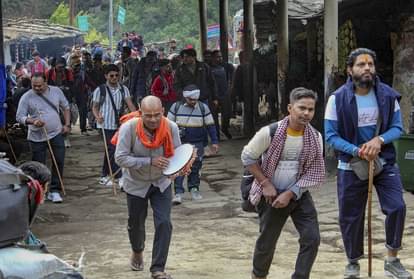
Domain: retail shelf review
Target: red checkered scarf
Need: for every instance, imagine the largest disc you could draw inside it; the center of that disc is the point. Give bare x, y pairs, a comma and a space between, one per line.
311, 163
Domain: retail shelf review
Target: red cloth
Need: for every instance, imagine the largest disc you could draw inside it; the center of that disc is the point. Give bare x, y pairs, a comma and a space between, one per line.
157, 88
162, 136
51, 74
311, 164
34, 185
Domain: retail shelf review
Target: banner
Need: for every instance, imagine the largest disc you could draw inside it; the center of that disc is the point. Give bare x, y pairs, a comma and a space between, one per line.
121, 15
83, 23
213, 31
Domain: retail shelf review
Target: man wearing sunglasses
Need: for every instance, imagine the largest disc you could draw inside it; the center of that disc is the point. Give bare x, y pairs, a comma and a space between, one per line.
109, 100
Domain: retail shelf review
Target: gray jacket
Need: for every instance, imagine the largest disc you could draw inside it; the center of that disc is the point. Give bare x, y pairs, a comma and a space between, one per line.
135, 159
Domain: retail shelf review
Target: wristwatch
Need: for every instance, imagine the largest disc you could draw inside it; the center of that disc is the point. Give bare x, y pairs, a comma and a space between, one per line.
381, 139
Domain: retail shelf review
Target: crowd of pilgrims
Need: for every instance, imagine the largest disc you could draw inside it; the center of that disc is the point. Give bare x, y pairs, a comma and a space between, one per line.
144, 70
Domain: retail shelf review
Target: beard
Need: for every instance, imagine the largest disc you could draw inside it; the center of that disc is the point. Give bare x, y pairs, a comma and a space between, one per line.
364, 82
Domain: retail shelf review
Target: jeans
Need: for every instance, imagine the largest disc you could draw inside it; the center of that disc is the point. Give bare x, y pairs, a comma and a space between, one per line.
352, 200
111, 153
272, 220
39, 155
137, 213
193, 180
83, 112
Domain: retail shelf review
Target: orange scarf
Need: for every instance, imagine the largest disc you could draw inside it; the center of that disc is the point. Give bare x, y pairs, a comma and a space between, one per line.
162, 135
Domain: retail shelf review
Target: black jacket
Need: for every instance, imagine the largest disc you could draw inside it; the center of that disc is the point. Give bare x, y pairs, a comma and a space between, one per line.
202, 77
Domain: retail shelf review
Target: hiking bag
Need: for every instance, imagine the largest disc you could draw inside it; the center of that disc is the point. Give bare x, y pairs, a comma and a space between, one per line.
248, 178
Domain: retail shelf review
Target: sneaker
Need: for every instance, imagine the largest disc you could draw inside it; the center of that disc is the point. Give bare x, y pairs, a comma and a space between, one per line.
195, 194
54, 197
396, 270
178, 199
67, 143
106, 181
351, 271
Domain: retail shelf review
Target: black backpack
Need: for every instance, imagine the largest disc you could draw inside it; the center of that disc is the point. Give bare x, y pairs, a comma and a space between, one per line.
248, 178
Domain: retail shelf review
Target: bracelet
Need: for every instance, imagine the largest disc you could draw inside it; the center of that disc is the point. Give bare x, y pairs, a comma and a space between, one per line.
263, 181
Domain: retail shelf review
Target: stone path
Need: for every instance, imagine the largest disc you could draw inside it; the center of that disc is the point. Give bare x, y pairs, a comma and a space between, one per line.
212, 238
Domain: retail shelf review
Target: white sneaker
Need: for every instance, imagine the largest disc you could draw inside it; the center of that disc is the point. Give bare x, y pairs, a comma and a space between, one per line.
178, 199
67, 143
195, 194
54, 197
105, 180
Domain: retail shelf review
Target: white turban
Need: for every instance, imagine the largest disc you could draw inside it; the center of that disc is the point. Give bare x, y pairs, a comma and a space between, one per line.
192, 94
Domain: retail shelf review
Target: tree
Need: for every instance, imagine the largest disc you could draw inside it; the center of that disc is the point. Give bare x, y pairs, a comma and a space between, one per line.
60, 15
93, 36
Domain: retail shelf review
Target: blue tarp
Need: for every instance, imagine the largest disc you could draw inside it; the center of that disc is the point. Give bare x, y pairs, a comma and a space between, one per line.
3, 96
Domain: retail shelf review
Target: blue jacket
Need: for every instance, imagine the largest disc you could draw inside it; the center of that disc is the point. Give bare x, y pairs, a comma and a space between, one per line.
346, 109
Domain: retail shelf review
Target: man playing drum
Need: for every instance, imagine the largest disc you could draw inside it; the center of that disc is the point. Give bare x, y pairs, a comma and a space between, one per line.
144, 144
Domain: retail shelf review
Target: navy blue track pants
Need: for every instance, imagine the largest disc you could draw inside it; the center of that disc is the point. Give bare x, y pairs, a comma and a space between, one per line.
352, 200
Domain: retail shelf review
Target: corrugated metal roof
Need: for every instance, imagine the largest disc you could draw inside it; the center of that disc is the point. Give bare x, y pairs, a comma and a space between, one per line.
302, 9
36, 29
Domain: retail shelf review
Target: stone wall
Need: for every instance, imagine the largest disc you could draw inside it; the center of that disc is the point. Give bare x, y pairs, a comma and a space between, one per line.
403, 79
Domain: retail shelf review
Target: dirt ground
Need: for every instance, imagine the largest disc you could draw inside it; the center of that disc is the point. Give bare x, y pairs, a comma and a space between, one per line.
212, 238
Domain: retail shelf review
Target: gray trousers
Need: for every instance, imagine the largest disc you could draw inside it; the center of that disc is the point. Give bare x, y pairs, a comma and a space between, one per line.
137, 213
272, 220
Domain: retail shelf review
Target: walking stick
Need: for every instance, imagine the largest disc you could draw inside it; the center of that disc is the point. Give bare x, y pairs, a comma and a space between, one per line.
370, 185
109, 162
11, 146
52, 155
113, 176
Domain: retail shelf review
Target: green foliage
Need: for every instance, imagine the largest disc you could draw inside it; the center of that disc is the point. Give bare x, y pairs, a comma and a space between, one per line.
156, 20
60, 15
93, 35
162, 20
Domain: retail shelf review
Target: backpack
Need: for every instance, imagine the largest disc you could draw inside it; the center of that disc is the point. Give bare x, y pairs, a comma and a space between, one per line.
248, 178
14, 205
200, 104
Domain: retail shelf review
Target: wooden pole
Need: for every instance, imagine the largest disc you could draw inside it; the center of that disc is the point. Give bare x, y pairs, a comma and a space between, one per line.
11, 146
248, 75
330, 65
282, 53
111, 24
370, 186
52, 155
72, 12
108, 160
202, 7
224, 33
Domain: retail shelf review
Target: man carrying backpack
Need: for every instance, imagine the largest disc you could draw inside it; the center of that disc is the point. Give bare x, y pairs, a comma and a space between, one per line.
194, 121
292, 162
109, 100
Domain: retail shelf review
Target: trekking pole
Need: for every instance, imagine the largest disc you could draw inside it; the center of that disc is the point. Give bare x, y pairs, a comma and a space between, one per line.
109, 162
113, 176
11, 146
52, 155
370, 185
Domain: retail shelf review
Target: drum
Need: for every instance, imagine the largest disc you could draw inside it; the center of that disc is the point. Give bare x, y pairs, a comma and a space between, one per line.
182, 156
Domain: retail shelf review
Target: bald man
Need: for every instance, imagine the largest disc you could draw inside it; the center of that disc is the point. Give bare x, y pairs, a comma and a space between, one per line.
142, 160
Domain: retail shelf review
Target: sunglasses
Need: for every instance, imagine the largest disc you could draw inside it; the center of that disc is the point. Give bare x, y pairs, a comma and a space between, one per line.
114, 75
